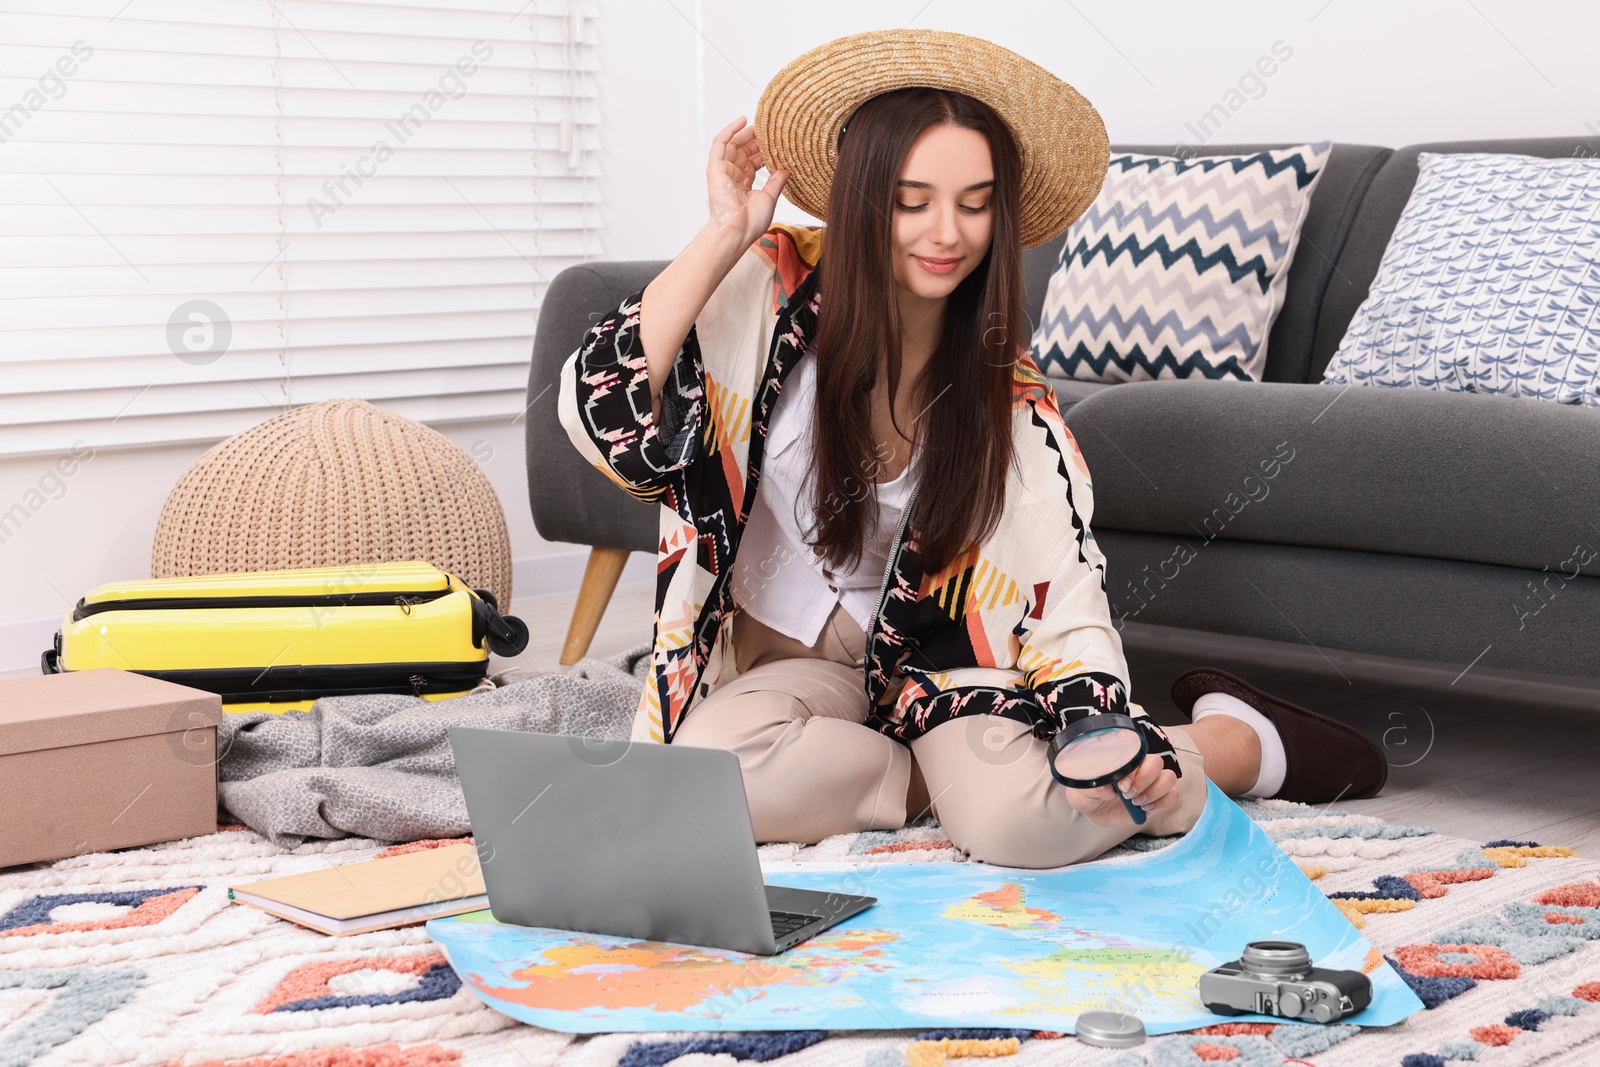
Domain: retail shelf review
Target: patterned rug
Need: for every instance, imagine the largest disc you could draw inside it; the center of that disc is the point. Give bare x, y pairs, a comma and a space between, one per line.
137, 957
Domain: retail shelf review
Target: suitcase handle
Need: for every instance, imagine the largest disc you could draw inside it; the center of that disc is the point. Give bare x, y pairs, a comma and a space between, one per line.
507, 635
50, 658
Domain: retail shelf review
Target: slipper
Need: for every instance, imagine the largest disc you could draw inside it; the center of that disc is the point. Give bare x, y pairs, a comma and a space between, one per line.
1326, 759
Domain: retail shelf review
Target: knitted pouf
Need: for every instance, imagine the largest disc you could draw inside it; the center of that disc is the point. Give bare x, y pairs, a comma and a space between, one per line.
335, 483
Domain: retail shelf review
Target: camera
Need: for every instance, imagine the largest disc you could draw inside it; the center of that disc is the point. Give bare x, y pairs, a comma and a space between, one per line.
1277, 978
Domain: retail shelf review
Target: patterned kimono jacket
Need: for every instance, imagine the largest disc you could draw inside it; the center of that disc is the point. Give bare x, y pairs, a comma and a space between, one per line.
1017, 626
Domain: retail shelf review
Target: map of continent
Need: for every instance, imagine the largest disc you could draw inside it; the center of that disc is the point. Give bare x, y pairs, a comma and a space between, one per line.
948, 945
1093, 970
585, 974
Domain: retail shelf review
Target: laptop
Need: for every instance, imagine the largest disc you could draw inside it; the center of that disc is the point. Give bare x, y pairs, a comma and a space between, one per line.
633, 839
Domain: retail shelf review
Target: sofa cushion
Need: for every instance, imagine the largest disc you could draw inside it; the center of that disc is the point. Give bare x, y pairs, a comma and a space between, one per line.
1069, 392
1380, 209
1178, 267
1488, 283
1482, 479
1349, 170
1449, 613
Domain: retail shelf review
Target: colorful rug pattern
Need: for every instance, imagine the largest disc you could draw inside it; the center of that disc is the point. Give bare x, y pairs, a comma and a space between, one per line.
137, 957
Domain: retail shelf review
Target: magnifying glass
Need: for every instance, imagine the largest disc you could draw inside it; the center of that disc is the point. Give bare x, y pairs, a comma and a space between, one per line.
1097, 750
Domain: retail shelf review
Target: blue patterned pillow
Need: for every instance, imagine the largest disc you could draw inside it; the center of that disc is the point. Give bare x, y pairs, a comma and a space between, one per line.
1489, 284
1178, 267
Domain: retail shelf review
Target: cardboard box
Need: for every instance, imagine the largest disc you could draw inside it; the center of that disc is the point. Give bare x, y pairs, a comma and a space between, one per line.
94, 760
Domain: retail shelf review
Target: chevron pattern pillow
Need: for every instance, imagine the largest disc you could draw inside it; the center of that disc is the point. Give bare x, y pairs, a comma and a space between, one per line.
1489, 284
1178, 268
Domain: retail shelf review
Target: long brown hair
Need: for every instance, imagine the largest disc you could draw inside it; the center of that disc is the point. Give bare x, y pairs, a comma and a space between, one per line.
963, 431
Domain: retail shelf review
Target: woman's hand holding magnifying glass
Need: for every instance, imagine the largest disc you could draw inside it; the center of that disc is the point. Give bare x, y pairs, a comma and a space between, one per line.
1104, 761
1150, 785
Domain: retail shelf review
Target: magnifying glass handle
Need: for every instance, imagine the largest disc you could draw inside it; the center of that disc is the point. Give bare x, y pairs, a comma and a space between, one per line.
1135, 812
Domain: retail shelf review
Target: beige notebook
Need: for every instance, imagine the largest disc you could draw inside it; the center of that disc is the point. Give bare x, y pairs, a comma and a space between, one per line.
374, 894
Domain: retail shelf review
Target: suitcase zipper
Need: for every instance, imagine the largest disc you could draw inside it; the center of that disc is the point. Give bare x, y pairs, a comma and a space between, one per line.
329, 600
294, 683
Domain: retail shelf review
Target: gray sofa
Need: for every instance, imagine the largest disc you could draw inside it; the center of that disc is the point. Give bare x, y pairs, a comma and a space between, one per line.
1404, 523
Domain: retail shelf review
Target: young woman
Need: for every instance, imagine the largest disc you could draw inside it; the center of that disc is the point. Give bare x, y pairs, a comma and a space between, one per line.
877, 583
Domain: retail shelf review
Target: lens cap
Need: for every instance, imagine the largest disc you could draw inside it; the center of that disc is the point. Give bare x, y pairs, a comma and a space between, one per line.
1109, 1029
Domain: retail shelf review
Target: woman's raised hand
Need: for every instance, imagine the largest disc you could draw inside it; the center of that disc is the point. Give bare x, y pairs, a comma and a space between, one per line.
739, 215
736, 206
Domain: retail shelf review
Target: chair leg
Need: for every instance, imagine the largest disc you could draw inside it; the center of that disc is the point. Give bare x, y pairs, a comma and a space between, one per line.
599, 582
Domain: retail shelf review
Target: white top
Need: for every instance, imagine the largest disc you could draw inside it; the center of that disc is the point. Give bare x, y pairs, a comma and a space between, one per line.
777, 577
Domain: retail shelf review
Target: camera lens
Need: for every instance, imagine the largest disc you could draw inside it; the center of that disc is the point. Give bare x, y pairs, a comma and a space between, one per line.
1277, 959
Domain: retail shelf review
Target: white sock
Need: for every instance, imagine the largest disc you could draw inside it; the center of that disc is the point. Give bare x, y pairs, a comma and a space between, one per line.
1274, 763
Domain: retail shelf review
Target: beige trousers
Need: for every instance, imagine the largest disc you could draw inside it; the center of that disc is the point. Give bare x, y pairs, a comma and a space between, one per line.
795, 716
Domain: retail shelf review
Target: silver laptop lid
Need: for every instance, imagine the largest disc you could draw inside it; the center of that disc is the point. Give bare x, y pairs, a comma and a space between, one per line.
634, 839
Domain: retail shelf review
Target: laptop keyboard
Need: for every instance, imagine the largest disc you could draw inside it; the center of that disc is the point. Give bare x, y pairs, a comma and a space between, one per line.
787, 922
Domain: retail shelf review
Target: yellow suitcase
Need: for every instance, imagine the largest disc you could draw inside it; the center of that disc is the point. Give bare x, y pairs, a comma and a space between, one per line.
277, 640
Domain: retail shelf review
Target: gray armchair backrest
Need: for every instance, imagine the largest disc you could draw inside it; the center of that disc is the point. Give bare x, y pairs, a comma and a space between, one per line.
571, 500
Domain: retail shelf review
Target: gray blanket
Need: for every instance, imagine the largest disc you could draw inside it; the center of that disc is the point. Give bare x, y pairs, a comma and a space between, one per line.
380, 766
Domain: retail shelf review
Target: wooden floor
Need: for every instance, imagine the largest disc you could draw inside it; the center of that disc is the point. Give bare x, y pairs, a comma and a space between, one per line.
1474, 758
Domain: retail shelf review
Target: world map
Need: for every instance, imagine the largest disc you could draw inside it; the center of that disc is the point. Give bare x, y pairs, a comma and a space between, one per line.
948, 945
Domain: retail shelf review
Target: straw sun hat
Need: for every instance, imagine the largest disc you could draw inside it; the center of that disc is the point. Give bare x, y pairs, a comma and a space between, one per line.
1062, 139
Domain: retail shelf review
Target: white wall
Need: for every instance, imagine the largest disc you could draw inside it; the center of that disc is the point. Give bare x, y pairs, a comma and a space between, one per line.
1389, 73
1385, 72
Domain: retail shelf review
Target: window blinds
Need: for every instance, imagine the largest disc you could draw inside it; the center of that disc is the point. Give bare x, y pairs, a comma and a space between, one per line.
216, 210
